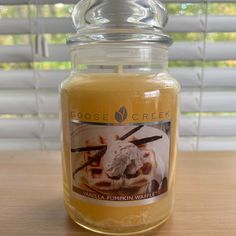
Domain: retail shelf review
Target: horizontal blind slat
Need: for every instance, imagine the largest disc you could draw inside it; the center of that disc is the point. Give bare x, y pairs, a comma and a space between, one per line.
63, 25
197, 1
29, 128
23, 53
43, 101
197, 24
50, 25
23, 2
214, 125
29, 102
41, 2
213, 77
29, 144
29, 79
179, 51
212, 101
208, 144
195, 51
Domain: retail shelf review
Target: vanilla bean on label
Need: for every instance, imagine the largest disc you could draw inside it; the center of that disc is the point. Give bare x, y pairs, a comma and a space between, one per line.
142, 141
86, 149
93, 148
91, 160
131, 132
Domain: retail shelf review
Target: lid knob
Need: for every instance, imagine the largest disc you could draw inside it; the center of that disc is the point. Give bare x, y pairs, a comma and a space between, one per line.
119, 14
119, 20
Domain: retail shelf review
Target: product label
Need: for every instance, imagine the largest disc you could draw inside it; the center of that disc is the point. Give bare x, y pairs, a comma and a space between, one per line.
117, 163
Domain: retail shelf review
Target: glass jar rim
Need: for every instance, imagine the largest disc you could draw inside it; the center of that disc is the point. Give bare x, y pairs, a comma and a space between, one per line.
117, 35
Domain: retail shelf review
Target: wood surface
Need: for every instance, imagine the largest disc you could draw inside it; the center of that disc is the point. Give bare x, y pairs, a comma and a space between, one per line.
31, 199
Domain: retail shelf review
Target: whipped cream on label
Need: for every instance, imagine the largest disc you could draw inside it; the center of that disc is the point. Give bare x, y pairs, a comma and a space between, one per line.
122, 157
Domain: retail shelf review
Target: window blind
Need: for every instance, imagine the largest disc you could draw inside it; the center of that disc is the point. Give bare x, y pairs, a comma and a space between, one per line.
202, 59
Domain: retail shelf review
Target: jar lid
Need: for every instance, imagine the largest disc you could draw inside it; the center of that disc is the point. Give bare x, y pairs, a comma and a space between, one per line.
119, 20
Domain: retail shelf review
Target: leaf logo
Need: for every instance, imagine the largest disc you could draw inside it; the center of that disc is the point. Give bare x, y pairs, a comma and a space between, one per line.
121, 115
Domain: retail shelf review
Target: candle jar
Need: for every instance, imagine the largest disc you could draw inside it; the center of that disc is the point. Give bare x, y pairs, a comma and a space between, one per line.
119, 110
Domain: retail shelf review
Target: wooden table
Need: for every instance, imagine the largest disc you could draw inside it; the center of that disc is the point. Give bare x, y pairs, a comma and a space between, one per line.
31, 201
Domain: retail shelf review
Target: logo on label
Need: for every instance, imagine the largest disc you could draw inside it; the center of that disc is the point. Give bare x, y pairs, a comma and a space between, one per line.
121, 115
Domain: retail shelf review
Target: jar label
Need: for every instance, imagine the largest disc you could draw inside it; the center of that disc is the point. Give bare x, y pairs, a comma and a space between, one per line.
120, 165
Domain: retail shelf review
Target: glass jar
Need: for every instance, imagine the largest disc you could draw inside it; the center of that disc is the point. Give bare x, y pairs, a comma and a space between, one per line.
119, 110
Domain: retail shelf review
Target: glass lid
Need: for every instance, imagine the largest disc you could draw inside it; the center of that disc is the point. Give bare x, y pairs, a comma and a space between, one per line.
119, 20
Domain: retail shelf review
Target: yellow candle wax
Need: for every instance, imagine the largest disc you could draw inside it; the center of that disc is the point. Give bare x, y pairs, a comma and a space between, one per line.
104, 94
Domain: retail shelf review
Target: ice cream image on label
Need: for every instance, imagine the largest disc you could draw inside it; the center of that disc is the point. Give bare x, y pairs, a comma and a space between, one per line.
121, 157
123, 164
